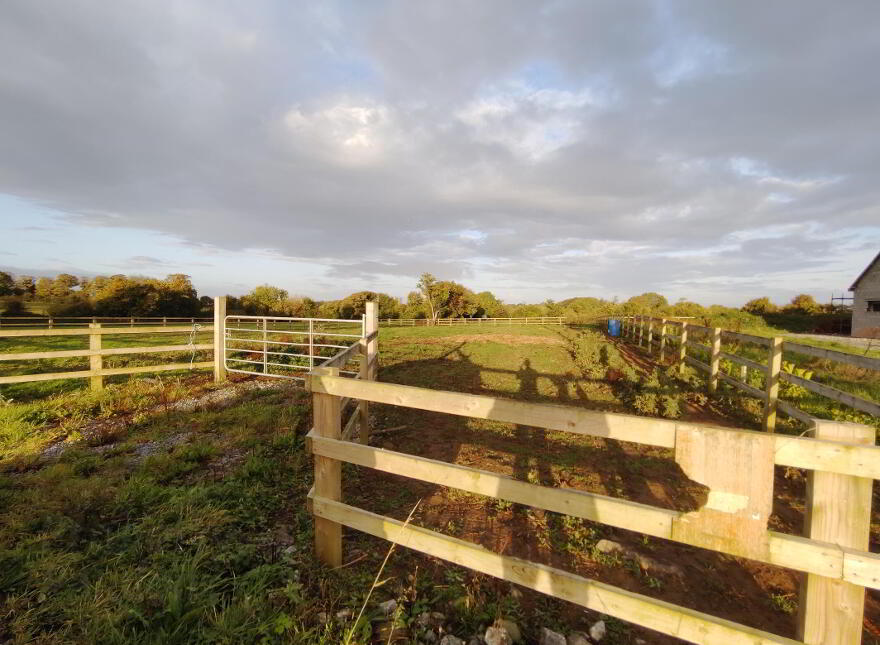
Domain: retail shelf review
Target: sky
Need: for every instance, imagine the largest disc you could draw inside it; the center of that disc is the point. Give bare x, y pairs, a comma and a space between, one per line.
709, 151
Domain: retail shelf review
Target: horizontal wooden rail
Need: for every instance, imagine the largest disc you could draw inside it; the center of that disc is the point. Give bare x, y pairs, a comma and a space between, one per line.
794, 412
745, 387
113, 371
846, 398
794, 552
798, 452
746, 338
694, 344
693, 362
343, 357
71, 353
868, 362
658, 615
86, 331
735, 358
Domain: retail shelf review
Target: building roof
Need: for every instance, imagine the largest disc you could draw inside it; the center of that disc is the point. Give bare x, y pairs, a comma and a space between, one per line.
862, 274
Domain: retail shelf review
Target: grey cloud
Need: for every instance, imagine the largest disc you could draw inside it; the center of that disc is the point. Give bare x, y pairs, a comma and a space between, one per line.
334, 132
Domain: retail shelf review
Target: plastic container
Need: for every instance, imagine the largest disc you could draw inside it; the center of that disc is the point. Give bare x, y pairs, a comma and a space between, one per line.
613, 327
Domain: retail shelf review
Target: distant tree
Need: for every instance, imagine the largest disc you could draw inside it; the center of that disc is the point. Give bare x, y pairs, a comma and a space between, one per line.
63, 284
488, 306
804, 303
24, 285
759, 306
43, 288
7, 284
427, 286
415, 306
265, 299
649, 302
686, 308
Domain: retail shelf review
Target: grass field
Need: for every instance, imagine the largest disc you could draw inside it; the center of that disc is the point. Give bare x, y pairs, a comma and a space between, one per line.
177, 513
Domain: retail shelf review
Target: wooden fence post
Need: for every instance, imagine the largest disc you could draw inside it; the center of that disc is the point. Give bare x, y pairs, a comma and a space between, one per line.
96, 361
327, 413
662, 339
369, 367
164, 321
51, 323
838, 511
715, 359
771, 391
650, 335
132, 322
219, 337
682, 348
743, 373
641, 329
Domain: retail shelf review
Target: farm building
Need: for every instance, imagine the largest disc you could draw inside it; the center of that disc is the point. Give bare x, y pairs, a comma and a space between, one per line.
866, 301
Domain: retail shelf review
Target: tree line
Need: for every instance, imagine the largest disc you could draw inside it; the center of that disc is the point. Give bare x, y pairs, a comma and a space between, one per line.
431, 299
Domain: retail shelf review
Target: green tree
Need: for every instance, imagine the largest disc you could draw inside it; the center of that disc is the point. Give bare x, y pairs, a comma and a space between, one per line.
487, 305
804, 303
759, 306
265, 299
63, 285
43, 288
7, 284
427, 286
24, 285
645, 303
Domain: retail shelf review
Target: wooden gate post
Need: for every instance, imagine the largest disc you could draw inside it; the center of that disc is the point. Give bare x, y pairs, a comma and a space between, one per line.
682, 348
311, 344
838, 511
327, 413
771, 389
219, 337
715, 360
651, 335
641, 329
96, 361
662, 339
369, 366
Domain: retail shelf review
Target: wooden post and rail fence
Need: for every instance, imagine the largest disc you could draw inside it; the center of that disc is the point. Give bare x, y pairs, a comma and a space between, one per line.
636, 328
473, 322
263, 326
736, 465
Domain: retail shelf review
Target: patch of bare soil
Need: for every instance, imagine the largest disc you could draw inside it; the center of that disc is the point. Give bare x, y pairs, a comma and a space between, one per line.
503, 339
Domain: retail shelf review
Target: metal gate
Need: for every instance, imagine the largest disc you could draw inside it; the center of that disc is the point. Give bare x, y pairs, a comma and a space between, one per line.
288, 348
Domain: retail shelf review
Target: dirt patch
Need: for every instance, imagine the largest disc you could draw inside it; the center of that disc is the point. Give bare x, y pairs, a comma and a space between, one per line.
503, 339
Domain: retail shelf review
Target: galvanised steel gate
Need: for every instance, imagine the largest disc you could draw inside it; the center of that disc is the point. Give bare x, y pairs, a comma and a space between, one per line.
287, 348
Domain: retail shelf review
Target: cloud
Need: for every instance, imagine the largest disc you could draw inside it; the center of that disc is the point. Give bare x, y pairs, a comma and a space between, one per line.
528, 147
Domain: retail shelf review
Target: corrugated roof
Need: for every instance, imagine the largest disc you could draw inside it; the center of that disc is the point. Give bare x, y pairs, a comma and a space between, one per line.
862, 274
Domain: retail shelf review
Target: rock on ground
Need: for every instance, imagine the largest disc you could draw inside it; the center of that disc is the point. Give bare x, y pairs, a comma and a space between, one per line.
597, 631
549, 637
497, 636
449, 639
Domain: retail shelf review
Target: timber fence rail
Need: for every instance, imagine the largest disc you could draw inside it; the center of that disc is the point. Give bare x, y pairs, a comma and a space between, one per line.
450, 322
662, 336
53, 322
736, 465
96, 352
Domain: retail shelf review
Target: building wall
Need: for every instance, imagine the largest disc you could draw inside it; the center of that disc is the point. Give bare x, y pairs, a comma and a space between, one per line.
866, 324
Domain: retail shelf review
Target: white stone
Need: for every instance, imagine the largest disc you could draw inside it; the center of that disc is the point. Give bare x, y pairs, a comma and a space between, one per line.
549, 637
449, 639
388, 607
497, 636
597, 631
511, 627
609, 546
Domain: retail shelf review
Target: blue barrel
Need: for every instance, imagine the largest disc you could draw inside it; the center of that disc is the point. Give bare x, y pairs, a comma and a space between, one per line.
613, 327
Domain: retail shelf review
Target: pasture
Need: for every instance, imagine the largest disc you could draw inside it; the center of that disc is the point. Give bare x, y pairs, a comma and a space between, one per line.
171, 509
